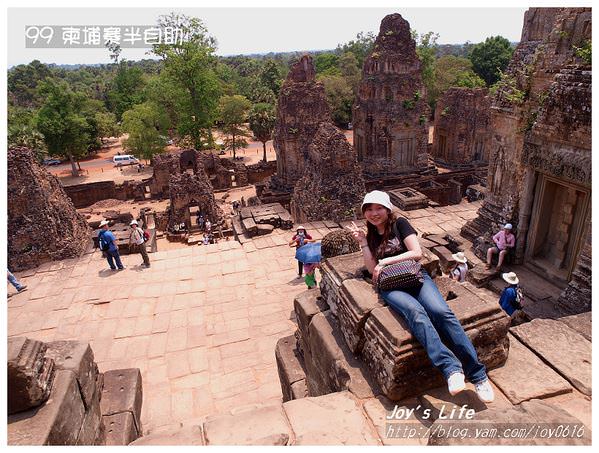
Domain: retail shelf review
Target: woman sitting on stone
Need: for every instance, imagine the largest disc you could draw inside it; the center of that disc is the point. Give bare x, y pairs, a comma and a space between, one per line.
423, 307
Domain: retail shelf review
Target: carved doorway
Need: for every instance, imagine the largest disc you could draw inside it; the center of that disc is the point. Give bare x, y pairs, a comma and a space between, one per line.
556, 231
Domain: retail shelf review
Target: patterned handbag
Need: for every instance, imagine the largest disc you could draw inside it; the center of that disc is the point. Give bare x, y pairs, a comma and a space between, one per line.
403, 275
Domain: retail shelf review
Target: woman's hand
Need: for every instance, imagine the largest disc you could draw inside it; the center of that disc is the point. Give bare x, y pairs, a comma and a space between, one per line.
359, 234
376, 272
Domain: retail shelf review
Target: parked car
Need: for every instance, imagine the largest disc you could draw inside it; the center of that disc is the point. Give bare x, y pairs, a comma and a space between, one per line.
51, 162
125, 159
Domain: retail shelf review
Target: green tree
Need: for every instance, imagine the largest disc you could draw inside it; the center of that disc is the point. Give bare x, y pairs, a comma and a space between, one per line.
270, 76
22, 132
66, 131
451, 71
22, 83
426, 49
490, 58
126, 89
233, 114
349, 69
360, 47
107, 125
191, 65
340, 98
326, 63
262, 120
146, 125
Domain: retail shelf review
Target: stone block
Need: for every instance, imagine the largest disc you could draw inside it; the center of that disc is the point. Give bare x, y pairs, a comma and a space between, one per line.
264, 425
331, 366
426, 243
333, 419
445, 258
581, 323
120, 428
437, 239
400, 364
524, 416
249, 226
335, 271
524, 376
123, 392
306, 304
289, 366
29, 374
564, 349
186, 435
356, 299
430, 262
57, 422
77, 357
92, 429
264, 228
299, 389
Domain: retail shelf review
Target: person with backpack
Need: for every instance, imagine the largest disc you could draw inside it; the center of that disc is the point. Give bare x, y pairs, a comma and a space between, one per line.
511, 296
107, 242
138, 239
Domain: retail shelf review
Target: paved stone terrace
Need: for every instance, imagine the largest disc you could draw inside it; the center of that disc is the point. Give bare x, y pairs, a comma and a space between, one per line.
201, 323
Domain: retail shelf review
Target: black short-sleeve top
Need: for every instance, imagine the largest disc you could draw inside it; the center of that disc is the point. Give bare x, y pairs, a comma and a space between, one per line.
395, 245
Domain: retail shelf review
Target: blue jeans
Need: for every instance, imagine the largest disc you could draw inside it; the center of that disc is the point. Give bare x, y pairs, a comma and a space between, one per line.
14, 281
114, 254
430, 320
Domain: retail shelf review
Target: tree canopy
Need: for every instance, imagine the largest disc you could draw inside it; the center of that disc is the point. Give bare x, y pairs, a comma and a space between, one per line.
490, 58
146, 125
233, 114
262, 120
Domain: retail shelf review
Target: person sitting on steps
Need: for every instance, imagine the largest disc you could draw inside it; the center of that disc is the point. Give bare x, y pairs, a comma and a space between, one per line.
504, 241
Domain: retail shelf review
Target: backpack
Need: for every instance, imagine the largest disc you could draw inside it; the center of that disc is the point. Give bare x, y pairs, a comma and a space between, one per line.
146, 235
519, 298
104, 245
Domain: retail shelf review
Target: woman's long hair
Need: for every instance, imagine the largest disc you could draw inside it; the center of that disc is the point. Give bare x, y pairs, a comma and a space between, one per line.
376, 242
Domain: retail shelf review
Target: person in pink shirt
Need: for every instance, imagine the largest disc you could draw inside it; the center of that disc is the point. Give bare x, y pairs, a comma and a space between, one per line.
504, 241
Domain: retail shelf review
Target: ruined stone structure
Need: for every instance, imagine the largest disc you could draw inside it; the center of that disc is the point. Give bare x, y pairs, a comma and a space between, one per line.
390, 114
301, 107
57, 396
43, 224
84, 195
332, 186
540, 154
192, 191
462, 127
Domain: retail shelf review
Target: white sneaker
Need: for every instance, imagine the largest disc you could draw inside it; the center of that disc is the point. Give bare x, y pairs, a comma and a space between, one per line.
484, 391
455, 383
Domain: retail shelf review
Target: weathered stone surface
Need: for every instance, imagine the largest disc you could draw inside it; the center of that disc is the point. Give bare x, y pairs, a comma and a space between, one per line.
441, 403
524, 376
77, 357
462, 127
301, 107
120, 428
525, 415
430, 263
29, 375
186, 435
57, 422
581, 323
264, 425
38, 208
333, 419
332, 185
306, 304
408, 199
579, 406
338, 242
394, 431
356, 299
400, 364
92, 429
335, 271
564, 349
289, 366
390, 113
330, 365
445, 259
123, 392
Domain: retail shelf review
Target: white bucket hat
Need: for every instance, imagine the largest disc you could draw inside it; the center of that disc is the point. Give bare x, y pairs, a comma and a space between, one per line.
133, 222
378, 197
508, 226
510, 277
104, 222
301, 227
460, 257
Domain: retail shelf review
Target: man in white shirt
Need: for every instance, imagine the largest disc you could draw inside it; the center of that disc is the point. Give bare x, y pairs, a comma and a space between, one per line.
136, 237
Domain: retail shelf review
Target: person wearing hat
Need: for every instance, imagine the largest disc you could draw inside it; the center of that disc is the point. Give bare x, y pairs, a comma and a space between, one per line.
459, 272
301, 237
107, 239
423, 307
137, 240
511, 296
504, 241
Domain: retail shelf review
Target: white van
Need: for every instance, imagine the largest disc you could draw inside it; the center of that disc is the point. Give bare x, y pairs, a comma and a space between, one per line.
126, 159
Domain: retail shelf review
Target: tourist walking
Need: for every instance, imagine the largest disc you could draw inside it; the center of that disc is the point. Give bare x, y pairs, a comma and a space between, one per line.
107, 242
138, 240
504, 241
301, 237
459, 272
391, 240
13, 280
